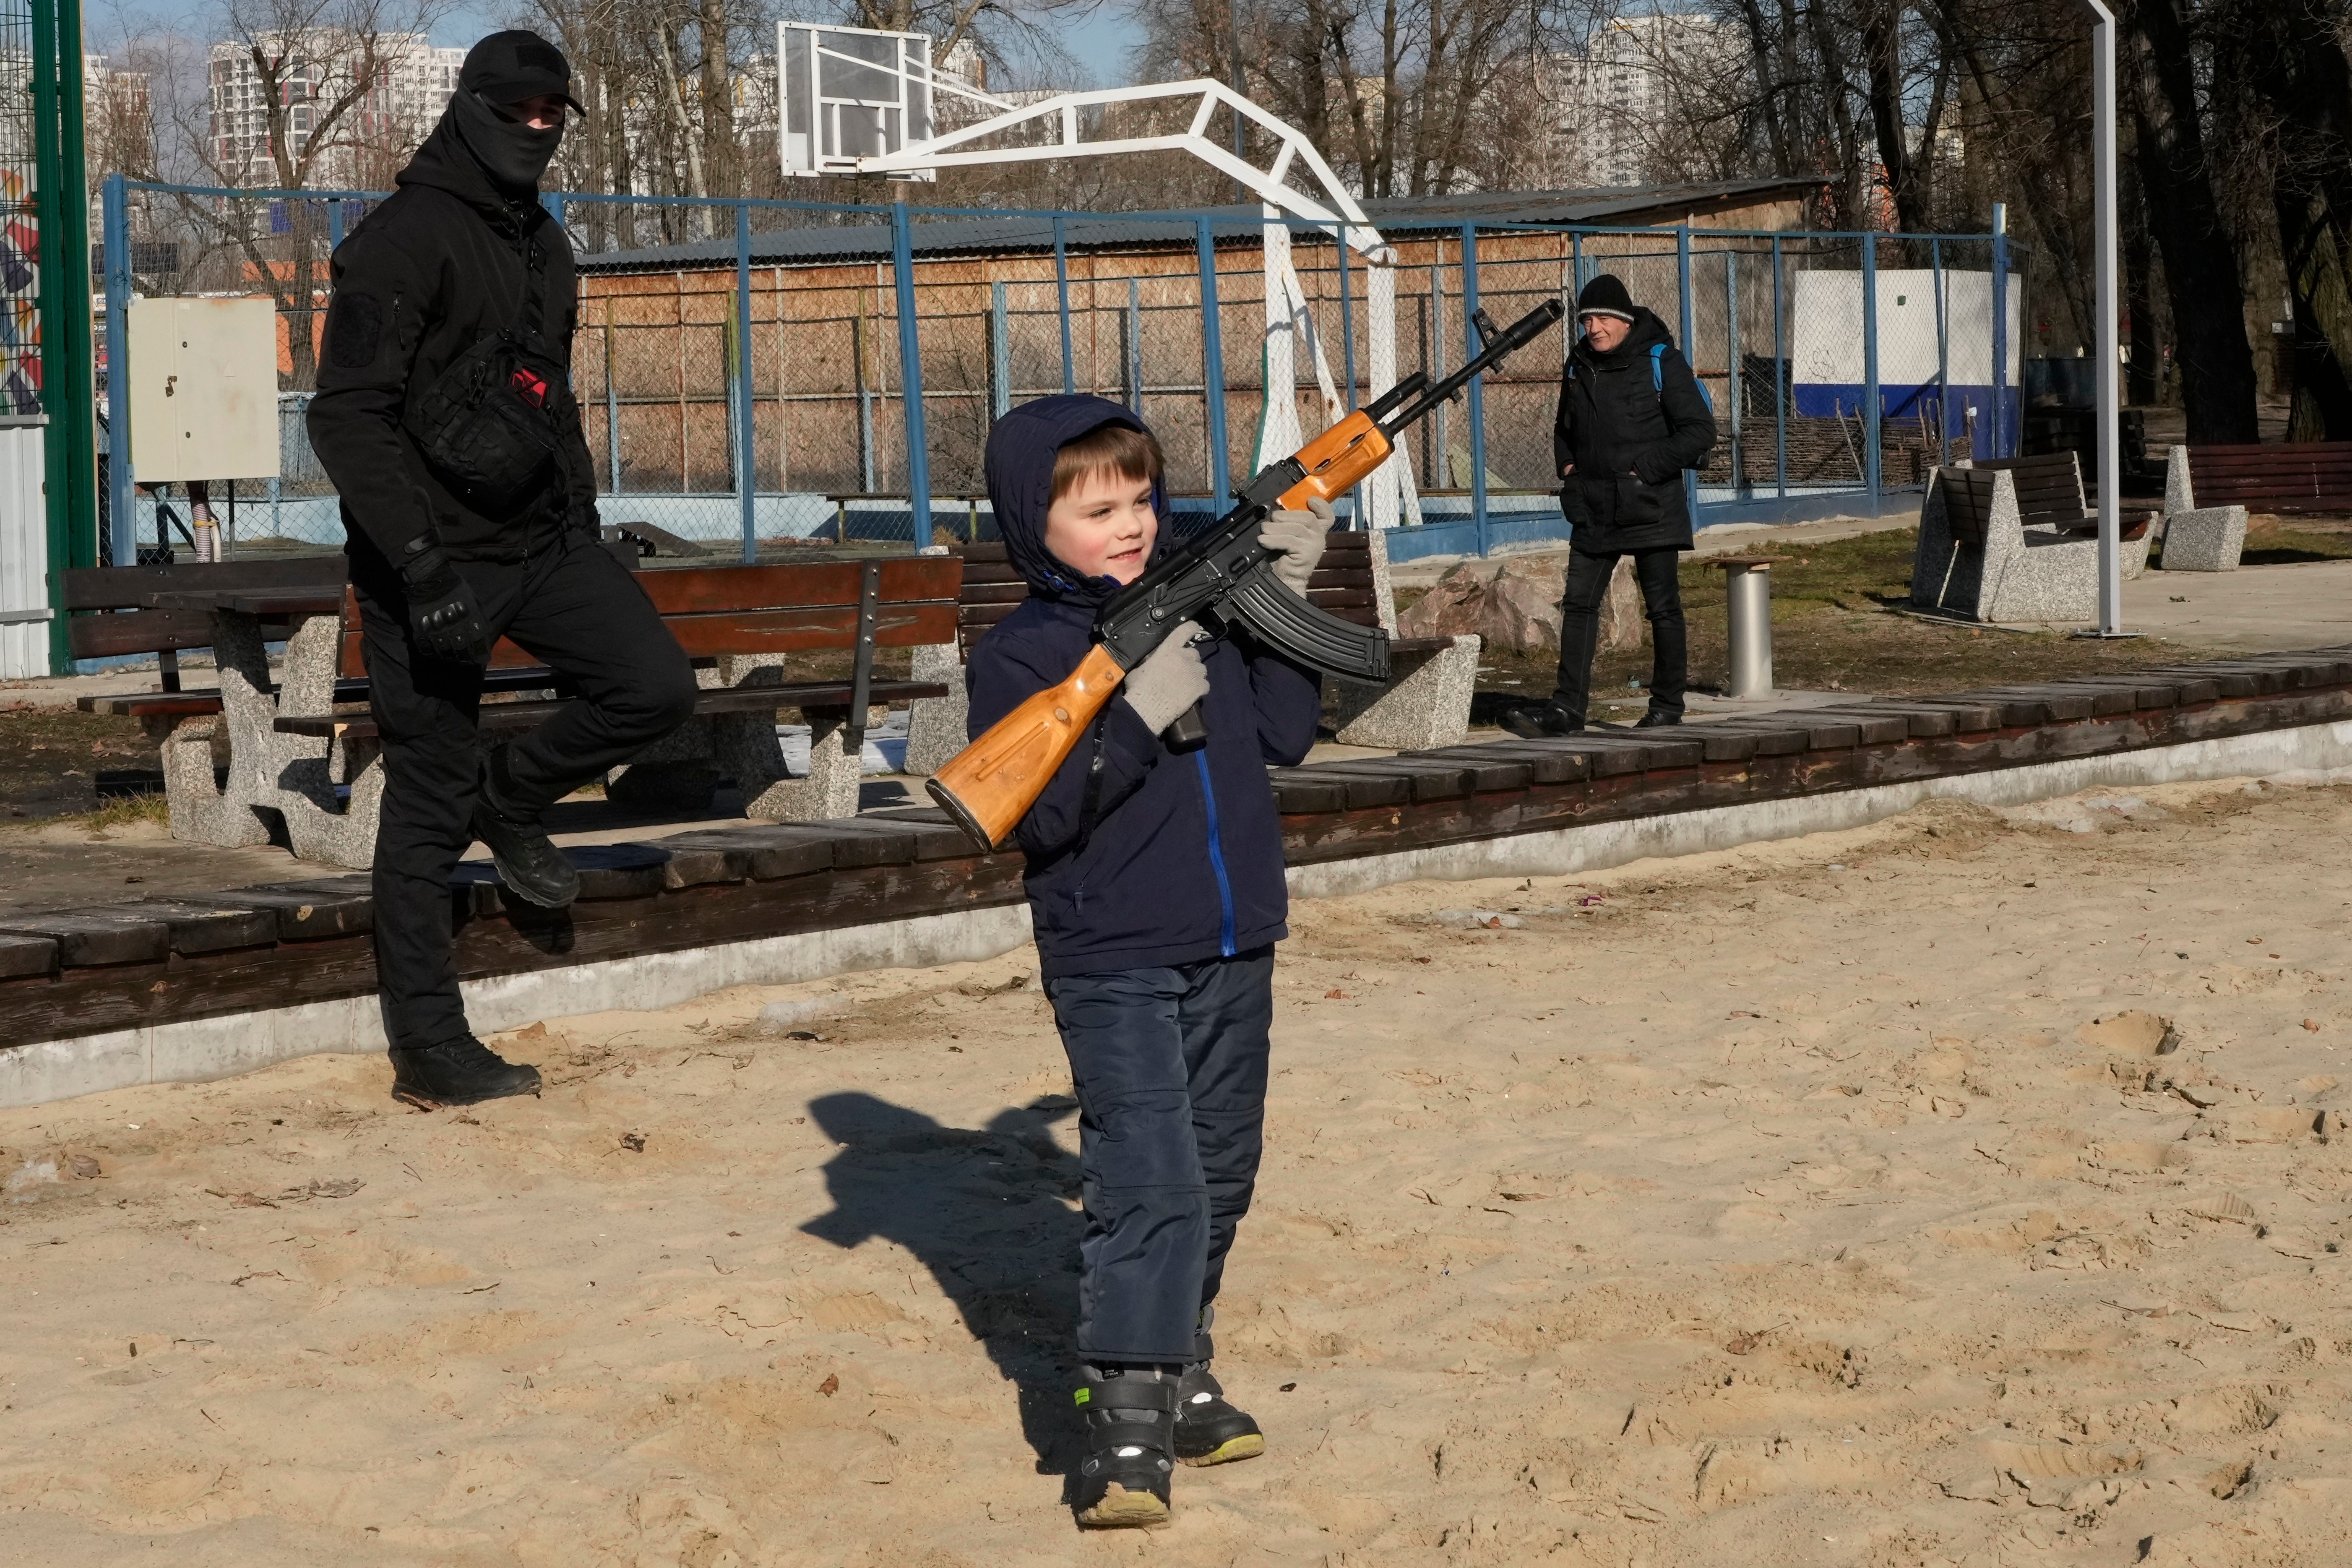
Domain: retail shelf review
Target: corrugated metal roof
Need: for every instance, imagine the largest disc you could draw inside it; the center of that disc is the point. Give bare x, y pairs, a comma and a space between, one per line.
1395, 216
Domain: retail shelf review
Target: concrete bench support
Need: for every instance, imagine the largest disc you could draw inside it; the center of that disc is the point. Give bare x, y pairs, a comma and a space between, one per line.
2198, 539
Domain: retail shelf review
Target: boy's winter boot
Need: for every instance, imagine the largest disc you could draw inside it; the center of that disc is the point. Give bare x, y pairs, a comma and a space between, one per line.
1130, 1416
1209, 1431
462, 1071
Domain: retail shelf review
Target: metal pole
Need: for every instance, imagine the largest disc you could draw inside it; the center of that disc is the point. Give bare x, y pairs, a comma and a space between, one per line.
1441, 462
1134, 345
1733, 383
1473, 345
1689, 348
1241, 89
1347, 324
121, 500
1779, 379
612, 409
746, 462
334, 225
910, 376
1870, 409
1000, 354
1062, 288
1943, 358
2102, 115
1999, 281
1749, 591
1213, 361
70, 399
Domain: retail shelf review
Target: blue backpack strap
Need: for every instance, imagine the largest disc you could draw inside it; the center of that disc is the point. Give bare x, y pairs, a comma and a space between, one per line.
1657, 367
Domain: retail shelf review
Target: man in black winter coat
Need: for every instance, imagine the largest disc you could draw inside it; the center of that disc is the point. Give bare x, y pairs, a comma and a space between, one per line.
445, 419
1631, 419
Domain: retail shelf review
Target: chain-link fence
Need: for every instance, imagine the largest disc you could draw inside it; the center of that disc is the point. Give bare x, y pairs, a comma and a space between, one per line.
743, 368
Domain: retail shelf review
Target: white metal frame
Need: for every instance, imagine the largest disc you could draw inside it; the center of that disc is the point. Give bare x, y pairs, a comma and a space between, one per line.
915, 97
1328, 206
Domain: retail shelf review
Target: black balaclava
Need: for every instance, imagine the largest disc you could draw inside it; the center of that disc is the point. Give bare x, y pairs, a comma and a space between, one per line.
512, 154
505, 68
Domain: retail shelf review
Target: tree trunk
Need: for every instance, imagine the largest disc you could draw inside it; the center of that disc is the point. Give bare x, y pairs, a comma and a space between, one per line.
2298, 72
2142, 386
2200, 259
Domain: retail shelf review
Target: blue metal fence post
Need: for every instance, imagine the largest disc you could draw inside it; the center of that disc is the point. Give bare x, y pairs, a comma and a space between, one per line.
2000, 373
1000, 354
1212, 364
910, 375
612, 409
1779, 377
1134, 365
747, 478
1475, 346
1576, 264
1870, 409
1733, 383
334, 225
1943, 358
1347, 324
1689, 348
121, 503
1062, 288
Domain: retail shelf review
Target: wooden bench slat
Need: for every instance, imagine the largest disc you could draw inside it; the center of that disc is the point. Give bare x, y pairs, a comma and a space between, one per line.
813, 584
714, 699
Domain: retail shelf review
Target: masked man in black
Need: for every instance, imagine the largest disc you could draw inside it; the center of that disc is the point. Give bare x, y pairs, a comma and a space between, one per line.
445, 419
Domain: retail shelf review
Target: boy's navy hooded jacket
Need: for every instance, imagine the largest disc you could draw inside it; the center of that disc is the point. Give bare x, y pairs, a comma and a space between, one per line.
1183, 859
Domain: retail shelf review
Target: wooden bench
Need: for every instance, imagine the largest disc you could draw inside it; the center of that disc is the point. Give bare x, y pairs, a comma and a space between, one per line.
2011, 540
306, 748
1419, 707
2291, 478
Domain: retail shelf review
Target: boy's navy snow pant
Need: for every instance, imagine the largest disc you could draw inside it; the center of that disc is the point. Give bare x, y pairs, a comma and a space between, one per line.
1169, 1065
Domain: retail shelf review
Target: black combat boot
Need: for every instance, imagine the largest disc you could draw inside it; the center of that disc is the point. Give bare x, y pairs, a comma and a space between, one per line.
1540, 721
462, 1071
529, 863
1130, 1416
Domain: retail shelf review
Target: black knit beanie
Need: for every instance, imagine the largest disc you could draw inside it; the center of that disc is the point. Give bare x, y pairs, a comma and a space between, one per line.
1605, 296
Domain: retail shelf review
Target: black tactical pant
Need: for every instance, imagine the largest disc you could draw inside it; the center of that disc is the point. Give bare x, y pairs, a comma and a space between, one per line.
1580, 626
570, 605
1170, 1066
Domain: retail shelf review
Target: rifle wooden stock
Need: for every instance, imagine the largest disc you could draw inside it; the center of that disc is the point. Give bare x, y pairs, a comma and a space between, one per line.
989, 787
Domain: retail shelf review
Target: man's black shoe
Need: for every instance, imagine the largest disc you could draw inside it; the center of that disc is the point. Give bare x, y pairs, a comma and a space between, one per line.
528, 860
1540, 721
1657, 719
462, 1071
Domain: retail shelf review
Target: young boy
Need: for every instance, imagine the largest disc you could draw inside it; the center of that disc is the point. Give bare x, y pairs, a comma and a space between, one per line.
1155, 883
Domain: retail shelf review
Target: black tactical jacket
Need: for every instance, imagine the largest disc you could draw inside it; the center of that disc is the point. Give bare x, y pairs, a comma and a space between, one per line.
1631, 423
430, 273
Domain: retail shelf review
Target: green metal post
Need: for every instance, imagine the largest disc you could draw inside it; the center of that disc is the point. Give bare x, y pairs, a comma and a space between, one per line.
62, 213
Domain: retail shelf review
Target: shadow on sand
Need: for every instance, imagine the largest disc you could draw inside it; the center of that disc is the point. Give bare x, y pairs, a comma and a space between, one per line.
984, 1212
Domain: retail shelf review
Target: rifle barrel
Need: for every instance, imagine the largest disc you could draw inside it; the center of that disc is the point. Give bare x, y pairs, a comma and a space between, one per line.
1518, 335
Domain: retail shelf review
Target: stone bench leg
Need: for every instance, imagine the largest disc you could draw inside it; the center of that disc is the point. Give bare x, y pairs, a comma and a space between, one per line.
1428, 705
270, 776
935, 725
2209, 538
835, 767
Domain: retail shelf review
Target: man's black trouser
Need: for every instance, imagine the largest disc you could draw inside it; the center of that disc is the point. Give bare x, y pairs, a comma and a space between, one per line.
1580, 626
1170, 1066
570, 605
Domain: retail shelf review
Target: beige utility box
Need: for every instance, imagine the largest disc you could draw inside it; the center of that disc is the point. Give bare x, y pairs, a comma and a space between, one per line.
204, 389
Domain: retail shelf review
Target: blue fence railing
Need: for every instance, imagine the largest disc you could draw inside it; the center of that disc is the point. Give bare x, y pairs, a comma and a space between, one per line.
756, 370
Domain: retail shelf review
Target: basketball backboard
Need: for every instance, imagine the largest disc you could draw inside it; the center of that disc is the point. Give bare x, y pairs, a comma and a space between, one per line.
852, 94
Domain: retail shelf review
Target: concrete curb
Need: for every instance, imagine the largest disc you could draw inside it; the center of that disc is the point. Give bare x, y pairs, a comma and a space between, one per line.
202, 1049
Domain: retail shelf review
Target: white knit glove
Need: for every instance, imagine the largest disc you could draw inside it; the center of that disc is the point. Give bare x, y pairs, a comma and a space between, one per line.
1299, 536
1170, 679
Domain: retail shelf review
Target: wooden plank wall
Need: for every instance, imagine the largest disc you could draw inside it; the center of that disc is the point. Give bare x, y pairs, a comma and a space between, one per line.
82, 971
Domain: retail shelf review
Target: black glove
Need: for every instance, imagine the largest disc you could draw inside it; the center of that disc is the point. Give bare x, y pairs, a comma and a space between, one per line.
442, 615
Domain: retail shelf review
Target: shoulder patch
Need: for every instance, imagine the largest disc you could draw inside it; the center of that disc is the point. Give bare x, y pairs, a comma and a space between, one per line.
357, 330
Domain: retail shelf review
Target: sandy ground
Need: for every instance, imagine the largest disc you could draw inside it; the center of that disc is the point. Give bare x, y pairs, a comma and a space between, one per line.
1769, 1207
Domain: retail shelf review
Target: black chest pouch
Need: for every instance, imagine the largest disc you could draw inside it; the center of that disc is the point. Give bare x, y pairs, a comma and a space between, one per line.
489, 425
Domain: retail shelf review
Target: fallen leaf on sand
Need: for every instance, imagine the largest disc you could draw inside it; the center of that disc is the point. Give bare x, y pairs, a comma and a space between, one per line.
831, 1386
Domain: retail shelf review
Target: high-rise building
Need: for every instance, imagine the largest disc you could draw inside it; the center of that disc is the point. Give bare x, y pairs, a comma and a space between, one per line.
409, 82
1625, 100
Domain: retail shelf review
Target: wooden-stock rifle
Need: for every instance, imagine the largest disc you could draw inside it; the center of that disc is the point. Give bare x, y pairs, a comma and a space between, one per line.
1222, 577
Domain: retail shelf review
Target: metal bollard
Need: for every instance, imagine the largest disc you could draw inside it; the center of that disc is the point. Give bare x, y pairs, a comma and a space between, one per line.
1747, 588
